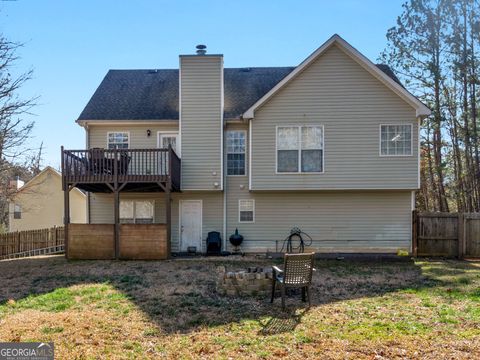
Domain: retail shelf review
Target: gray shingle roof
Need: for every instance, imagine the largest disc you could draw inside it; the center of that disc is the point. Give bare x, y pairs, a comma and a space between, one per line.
153, 94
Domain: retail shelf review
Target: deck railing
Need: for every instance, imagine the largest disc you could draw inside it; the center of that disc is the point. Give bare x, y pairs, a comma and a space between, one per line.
123, 165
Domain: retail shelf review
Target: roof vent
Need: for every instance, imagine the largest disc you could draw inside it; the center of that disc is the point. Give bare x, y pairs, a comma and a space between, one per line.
201, 49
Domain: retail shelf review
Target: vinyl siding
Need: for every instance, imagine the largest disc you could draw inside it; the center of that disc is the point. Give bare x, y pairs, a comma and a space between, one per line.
212, 210
201, 87
338, 221
351, 104
138, 134
42, 204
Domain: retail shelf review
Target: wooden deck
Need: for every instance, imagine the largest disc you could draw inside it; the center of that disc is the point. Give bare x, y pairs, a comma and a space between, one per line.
115, 171
133, 169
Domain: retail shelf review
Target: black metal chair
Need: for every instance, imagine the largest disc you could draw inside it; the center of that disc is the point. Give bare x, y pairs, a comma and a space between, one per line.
297, 273
214, 243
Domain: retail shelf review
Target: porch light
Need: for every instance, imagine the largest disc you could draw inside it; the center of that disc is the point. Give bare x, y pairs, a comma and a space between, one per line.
149, 132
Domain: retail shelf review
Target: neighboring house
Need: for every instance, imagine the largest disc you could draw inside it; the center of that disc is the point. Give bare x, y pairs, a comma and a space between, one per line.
330, 146
38, 204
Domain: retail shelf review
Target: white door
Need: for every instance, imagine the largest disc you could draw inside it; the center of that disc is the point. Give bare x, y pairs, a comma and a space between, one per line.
190, 224
165, 139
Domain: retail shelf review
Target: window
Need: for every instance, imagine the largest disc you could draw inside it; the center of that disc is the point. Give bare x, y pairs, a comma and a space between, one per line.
246, 210
396, 140
118, 140
236, 152
300, 149
17, 212
169, 138
136, 212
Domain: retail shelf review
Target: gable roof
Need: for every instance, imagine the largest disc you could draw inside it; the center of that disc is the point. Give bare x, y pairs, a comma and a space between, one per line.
153, 94
47, 169
378, 72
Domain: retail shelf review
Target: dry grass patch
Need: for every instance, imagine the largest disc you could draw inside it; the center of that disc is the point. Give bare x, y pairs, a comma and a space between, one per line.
136, 309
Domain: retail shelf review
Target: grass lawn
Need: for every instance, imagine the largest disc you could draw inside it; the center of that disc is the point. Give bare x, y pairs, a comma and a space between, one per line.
137, 309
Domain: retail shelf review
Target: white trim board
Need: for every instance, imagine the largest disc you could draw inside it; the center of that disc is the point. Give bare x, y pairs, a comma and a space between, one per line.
222, 125
249, 154
86, 123
421, 109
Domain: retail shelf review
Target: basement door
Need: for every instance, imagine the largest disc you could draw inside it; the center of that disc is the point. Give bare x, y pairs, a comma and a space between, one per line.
190, 224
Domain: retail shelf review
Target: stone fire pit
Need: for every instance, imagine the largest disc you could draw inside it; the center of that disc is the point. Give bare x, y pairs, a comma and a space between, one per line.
250, 282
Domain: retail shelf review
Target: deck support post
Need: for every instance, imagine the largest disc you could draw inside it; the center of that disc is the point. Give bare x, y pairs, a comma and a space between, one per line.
66, 202
168, 215
168, 199
66, 216
116, 202
116, 197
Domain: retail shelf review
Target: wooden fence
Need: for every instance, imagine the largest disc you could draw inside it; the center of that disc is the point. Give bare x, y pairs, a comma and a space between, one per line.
446, 234
29, 240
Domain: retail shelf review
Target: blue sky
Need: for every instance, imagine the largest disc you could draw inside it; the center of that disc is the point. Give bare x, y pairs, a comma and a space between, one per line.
70, 45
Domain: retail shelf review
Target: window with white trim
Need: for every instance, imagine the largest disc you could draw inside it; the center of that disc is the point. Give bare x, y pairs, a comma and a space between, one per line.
118, 140
396, 140
17, 211
236, 145
246, 210
136, 211
299, 149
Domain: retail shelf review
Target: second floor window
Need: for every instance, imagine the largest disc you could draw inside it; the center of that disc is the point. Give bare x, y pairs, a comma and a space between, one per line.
136, 212
396, 140
118, 140
236, 152
299, 149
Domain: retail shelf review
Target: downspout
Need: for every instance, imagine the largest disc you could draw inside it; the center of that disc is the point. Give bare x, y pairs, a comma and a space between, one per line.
224, 178
222, 139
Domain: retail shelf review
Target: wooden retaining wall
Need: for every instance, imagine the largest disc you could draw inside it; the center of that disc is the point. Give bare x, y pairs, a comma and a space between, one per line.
446, 234
91, 241
137, 241
143, 241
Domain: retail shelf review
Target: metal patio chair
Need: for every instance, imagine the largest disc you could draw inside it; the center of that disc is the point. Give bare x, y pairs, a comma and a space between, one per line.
297, 273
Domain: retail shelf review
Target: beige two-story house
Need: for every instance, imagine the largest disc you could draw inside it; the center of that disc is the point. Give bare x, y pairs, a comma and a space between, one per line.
38, 204
330, 146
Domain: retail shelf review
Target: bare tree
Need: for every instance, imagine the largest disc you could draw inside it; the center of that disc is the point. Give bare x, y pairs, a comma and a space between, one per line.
14, 131
15, 154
